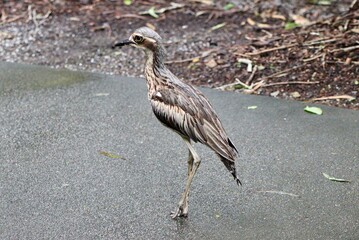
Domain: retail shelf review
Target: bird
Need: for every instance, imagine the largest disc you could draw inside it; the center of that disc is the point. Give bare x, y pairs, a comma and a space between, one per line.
182, 108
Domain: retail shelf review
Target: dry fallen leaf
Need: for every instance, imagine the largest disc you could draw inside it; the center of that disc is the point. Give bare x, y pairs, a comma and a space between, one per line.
300, 20
111, 155
5, 35
150, 25
264, 26
211, 63
278, 16
295, 94
195, 60
251, 22
270, 14
74, 19
274, 94
206, 2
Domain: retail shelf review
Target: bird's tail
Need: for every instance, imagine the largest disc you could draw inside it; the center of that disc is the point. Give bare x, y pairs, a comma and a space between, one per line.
231, 168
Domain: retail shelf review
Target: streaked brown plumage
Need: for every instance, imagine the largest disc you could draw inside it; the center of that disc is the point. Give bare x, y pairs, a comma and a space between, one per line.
183, 109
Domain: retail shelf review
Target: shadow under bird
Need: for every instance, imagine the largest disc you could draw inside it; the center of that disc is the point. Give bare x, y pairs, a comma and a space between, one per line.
182, 108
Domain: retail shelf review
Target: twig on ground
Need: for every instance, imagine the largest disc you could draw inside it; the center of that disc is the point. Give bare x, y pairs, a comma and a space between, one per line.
104, 26
254, 86
285, 83
246, 61
279, 192
237, 82
181, 60
129, 15
33, 16
354, 5
12, 19
309, 43
271, 49
322, 41
341, 62
203, 55
249, 80
350, 98
281, 72
346, 49
313, 58
173, 6
323, 60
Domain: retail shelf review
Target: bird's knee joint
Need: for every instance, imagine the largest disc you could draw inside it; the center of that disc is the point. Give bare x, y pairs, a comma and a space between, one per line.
197, 161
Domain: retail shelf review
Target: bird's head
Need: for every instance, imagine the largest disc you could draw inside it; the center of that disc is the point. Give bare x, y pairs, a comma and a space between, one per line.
144, 38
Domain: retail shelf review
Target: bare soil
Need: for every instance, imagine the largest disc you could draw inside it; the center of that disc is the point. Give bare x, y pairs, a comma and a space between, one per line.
299, 51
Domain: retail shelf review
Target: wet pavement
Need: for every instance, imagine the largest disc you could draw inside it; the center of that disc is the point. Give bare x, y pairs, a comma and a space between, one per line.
55, 183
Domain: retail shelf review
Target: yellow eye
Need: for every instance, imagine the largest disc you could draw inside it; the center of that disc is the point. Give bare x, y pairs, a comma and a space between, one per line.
138, 39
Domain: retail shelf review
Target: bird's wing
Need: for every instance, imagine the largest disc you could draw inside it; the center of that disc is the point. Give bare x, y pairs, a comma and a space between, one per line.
189, 113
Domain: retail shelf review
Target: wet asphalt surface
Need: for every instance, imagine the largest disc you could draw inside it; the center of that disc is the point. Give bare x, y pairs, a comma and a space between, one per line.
55, 184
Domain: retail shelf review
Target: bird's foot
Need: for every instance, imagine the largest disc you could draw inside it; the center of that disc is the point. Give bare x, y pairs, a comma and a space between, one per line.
180, 212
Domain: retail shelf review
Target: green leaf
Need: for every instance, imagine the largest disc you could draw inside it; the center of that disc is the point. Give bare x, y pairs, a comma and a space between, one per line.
314, 110
218, 26
152, 12
238, 86
261, 67
290, 25
335, 179
252, 107
228, 6
111, 155
320, 2
127, 2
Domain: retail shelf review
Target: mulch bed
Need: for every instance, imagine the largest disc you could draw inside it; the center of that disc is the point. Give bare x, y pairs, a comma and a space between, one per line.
296, 51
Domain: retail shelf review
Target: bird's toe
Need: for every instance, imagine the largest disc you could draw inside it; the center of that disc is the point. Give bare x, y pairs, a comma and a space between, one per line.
179, 213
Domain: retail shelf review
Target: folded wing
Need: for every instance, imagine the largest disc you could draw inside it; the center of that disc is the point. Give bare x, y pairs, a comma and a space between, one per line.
189, 113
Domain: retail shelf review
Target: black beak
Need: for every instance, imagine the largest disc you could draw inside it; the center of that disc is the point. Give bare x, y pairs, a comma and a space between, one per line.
122, 43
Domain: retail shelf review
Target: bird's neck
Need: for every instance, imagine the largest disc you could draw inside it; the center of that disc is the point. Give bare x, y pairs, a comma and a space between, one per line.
155, 58
155, 69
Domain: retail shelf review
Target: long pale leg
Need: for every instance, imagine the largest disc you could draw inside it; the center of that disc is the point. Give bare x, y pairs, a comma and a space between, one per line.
190, 162
193, 164
190, 167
